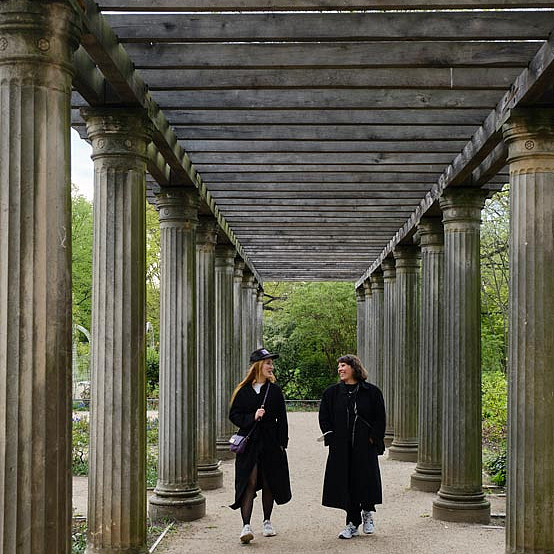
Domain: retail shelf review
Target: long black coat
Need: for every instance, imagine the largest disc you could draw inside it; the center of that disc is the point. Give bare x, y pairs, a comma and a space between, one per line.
352, 455
266, 444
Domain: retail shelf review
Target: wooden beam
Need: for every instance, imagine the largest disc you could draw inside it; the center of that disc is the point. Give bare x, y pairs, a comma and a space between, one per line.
329, 26
212, 170
268, 5
458, 78
370, 54
326, 99
365, 177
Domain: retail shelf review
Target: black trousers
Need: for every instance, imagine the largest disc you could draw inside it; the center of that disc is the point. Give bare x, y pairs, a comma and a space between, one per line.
354, 512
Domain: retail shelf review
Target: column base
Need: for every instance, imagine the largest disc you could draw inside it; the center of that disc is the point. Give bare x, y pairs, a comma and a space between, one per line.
403, 453
462, 508
176, 505
389, 437
426, 479
223, 452
210, 477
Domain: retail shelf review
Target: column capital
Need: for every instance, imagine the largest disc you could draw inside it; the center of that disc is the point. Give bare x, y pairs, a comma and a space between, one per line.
389, 269
377, 281
529, 134
367, 288
206, 233
239, 269
118, 132
407, 257
247, 278
260, 294
461, 208
360, 294
40, 33
431, 232
177, 206
225, 256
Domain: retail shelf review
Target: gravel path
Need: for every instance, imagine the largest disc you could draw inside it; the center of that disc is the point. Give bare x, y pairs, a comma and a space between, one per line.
403, 522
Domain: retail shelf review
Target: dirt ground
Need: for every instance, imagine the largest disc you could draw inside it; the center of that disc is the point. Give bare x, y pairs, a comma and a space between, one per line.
403, 522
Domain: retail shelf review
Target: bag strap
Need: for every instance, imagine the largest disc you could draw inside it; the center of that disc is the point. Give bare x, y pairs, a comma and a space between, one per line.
262, 405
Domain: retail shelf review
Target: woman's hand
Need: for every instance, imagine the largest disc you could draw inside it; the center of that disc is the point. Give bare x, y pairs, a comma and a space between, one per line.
260, 412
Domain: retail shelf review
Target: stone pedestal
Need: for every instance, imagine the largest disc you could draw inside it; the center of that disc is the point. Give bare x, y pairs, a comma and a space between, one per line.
530, 506
360, 322
224, 356
461, 497
369, 321
210, 475
405, 442
427, 476
37, 40
389, 341
377, 328
177, 495
117, 458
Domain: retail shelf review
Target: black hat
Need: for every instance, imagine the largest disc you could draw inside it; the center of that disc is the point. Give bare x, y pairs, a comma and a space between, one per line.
261, 354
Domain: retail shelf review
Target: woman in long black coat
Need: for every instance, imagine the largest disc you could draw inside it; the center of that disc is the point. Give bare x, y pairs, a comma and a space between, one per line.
352, 419
263, 465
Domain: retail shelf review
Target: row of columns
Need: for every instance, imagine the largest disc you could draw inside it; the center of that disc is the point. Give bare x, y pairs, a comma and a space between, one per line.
428, 358
37, 40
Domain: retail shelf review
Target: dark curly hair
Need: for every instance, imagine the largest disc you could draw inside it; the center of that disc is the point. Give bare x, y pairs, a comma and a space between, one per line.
359, 371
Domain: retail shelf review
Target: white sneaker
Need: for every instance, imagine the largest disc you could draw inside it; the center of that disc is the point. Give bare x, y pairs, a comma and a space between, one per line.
268, 529
349, 531
368, 523
246, 536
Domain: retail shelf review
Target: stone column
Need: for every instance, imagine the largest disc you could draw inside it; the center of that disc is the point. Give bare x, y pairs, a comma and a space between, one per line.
361, 336
239, 367
377, 327
530, 138
247, 317
177, 495
260, 313
210, 475
368, 346
37, 40
461, 496
254, 324
389, 343
117, 459
405, 442
224, 352
427, 476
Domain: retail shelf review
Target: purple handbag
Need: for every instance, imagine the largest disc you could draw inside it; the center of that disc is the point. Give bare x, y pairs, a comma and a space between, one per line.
238, 442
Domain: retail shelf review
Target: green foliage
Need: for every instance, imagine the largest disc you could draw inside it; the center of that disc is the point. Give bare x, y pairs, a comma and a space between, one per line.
152, 372
495, 465
80, 445
152, 433
310, 325
82, 231
153, 244
78, 537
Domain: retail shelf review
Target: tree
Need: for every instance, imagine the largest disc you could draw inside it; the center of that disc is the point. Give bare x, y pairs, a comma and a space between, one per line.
310, 325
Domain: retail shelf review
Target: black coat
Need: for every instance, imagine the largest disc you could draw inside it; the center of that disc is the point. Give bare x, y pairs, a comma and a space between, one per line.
267, 443
352, 464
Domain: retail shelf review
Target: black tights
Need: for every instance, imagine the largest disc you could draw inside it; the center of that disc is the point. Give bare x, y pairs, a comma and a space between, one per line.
247, 501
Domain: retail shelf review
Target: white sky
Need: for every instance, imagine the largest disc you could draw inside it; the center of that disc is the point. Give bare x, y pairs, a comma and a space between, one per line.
82, 169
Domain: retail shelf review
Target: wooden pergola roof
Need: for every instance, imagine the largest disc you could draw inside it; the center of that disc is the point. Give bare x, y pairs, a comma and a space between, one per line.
319, 132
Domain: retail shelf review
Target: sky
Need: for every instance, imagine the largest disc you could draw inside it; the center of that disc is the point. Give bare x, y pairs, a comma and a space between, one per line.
82, 169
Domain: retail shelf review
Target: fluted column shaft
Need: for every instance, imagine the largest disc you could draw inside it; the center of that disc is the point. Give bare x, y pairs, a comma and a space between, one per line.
37, 40
177, 495
254, 308
530, 506
377, 327
239, 367
210, 475
405, 442
368, 347
389, 343
260, 318
117, 460
360, 322
427, 476
247, 317
460, 496
224, 354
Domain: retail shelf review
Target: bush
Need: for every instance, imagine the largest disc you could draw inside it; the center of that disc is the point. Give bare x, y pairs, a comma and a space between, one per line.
152, 372
495, 409
495, 465
80, 443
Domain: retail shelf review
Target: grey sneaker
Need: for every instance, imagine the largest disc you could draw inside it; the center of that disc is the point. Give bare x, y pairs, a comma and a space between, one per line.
368, 523
349, 531
268, 529
246, 535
